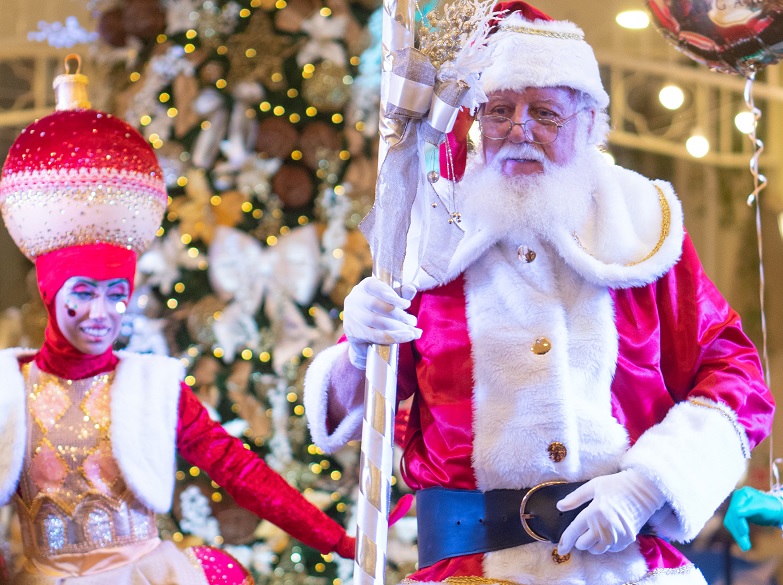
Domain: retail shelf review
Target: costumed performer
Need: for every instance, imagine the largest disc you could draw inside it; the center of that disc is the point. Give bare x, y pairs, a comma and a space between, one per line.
582, 393
89, 435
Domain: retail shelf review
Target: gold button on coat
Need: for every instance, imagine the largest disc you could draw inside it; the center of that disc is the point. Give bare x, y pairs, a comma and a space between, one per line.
541, 346
558, 558
557, 451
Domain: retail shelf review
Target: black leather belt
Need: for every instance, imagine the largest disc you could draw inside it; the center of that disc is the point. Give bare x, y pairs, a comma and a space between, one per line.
453, 523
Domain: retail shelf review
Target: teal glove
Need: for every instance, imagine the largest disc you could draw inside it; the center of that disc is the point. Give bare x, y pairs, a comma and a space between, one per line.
751, 505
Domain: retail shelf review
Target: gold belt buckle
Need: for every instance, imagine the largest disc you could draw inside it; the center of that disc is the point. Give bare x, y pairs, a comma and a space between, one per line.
524, 516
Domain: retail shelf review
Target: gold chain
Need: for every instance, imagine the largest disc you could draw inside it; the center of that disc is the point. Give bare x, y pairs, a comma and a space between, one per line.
732, 421
542, 33
465, 580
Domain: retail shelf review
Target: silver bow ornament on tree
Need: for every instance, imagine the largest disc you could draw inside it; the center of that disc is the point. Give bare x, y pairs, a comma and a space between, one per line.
244, 274
242, 129
161, 266
324, 32
212, 107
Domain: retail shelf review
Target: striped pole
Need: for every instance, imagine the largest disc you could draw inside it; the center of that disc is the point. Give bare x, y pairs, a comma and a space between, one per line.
380, 404
380, 391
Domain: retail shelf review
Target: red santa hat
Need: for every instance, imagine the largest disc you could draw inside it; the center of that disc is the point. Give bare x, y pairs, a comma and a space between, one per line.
531, 49
528, 48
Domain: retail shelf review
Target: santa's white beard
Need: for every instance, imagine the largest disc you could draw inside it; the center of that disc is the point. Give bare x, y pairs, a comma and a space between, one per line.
560, 196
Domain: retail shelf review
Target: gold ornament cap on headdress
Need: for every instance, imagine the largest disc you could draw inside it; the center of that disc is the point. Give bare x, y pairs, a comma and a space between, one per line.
71, 88
80, 176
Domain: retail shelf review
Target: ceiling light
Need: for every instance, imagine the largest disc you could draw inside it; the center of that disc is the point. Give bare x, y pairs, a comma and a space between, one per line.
633, 19
697, 146
745, 122
671, 97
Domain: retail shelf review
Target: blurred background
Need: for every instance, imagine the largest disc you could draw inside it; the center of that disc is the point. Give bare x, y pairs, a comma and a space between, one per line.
263, 114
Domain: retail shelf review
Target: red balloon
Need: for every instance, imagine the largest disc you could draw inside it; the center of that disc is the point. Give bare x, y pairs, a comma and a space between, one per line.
730, 36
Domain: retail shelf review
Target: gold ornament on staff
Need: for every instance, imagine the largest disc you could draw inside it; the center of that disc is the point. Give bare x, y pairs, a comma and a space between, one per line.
446, 33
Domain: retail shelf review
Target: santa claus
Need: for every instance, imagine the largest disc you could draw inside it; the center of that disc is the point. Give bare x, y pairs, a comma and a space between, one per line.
582, 394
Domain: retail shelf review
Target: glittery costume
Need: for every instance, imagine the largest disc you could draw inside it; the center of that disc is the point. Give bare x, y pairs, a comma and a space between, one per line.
71, 496
88, 442
137, 409
72, 502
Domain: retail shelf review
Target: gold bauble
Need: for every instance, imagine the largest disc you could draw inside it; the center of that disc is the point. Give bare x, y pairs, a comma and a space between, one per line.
325, 90
202, 317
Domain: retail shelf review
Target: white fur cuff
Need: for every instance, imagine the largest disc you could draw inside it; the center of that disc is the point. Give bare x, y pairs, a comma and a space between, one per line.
316, 392
695, 456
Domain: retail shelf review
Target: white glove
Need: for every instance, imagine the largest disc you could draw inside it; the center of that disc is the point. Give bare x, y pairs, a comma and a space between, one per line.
374, 313
622, 503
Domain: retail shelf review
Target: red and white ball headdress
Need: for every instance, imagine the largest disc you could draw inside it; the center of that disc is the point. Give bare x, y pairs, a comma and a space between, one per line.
79, 177
81, 194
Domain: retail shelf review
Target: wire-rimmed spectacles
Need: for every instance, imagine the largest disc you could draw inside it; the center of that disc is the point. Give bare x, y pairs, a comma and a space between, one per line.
535, 130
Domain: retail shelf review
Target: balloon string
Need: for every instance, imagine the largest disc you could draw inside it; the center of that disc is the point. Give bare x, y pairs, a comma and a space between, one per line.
759, 183
776, 487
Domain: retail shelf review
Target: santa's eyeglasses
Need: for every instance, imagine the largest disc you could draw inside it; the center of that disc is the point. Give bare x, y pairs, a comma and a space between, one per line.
535, 130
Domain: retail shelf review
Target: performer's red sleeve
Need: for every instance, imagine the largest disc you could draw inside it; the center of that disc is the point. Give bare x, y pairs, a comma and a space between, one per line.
251, 482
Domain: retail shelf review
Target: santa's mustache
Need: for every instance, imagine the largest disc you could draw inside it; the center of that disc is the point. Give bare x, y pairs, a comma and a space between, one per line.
521, 151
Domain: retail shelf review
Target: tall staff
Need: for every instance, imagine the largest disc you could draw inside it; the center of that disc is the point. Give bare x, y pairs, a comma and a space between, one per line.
380, 391
418, 107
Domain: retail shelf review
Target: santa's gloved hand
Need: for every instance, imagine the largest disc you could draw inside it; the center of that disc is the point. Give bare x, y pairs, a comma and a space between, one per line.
374, 313
751, 505
622, 503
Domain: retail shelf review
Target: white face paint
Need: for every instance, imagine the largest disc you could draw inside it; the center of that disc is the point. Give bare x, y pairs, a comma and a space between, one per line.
89, 312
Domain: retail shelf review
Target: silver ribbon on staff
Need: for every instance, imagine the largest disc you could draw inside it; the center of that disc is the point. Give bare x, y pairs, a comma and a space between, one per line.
447, 96
410, 90
414, 92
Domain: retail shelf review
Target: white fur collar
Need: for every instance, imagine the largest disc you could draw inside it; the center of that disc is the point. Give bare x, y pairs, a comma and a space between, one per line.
611, 247
144, 407
634, 235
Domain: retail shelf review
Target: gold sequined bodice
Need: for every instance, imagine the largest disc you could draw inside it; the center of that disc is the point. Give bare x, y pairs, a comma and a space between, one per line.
72, 497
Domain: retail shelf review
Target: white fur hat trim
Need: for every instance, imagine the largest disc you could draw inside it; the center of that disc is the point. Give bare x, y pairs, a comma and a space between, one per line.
542, 54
